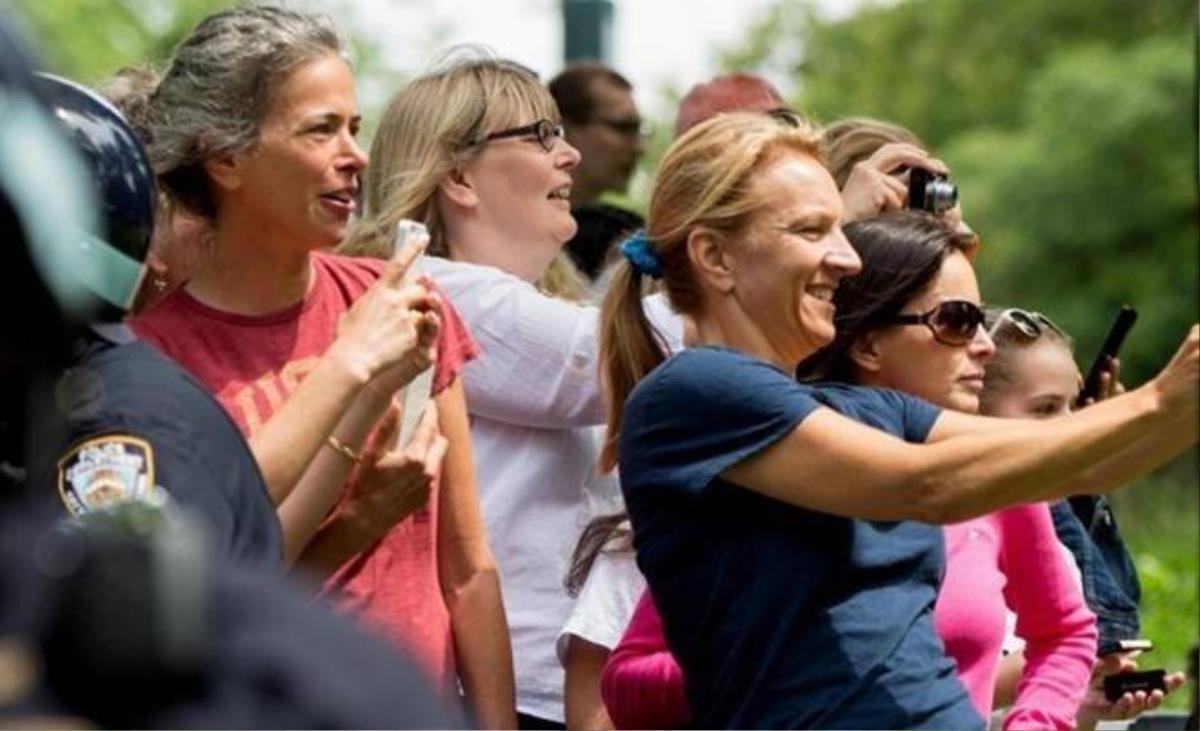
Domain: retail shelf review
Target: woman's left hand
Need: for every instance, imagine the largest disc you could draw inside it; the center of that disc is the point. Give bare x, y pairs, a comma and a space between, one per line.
1110, 382
1096, 707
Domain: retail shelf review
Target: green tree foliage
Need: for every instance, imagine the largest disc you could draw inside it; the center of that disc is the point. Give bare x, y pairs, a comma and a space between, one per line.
1089, 199
1070, 127
88, 40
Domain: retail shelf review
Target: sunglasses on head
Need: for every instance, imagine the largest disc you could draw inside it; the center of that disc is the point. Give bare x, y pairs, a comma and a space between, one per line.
953, 322
546, 133
1028, 323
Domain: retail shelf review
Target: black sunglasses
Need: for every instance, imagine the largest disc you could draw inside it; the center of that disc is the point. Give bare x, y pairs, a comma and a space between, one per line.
632, 127
953, 322
546, 132
1028, 323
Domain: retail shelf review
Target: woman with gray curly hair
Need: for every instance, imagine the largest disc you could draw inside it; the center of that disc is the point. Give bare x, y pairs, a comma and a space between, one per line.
252, 129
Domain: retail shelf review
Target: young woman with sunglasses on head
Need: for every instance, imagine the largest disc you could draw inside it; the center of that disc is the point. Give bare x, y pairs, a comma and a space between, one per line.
474, 150
783, 527
911, 321
1033, 375
252, 129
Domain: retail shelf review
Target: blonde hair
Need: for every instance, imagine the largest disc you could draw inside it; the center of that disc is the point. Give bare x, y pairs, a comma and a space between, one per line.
707, 179
562, 279
849, 141
433, 125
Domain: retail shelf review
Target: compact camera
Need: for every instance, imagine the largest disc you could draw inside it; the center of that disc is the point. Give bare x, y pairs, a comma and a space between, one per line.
930, 191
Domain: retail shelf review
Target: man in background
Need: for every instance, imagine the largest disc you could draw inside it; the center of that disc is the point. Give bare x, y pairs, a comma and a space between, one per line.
602, 121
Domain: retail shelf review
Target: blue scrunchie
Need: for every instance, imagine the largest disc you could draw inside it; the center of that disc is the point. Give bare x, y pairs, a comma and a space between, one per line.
644, 259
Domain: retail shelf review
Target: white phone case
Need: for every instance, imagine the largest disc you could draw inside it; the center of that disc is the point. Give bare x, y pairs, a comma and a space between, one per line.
415, 396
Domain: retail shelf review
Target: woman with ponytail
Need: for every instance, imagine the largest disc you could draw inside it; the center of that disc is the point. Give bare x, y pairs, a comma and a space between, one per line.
789, 532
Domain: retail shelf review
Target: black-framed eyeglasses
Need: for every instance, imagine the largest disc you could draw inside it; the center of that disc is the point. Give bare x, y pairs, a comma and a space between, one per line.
546, 132
631, 127
953, 322
1028, 323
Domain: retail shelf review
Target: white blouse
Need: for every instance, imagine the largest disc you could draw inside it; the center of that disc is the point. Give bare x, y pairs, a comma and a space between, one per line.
533, 395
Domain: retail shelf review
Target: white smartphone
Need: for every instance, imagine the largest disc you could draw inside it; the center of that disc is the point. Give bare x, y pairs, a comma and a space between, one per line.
415, 396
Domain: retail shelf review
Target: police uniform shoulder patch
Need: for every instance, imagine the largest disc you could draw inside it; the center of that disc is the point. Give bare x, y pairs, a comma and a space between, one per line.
104, 471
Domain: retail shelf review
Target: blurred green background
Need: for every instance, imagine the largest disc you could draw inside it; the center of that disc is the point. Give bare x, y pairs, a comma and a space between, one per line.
1071, 128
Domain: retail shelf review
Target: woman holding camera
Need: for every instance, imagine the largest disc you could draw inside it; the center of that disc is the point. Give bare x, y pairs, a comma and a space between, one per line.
253, 129
773, 519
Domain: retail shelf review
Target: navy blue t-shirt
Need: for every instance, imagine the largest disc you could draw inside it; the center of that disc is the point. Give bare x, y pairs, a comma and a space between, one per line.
781, 617
139, 426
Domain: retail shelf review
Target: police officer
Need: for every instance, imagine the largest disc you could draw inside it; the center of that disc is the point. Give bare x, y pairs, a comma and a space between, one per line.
122, 616
138, 427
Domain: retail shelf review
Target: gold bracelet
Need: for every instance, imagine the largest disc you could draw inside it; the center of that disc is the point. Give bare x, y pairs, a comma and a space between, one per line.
336, 445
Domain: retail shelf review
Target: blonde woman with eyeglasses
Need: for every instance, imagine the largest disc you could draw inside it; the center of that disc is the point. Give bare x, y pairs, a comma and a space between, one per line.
475, 150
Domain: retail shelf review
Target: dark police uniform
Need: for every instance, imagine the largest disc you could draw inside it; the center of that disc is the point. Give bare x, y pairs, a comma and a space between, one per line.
139, 428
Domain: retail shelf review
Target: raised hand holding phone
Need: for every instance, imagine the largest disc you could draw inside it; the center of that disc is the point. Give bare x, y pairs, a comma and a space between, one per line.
1093, 383
384, 337
415, 396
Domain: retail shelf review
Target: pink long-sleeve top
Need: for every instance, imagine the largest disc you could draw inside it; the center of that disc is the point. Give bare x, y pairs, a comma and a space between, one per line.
1012, 559
642, 684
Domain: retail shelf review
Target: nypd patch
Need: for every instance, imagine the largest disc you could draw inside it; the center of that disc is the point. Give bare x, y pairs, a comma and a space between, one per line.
106, 471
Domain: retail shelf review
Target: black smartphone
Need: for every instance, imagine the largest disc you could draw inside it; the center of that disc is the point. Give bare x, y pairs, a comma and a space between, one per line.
1112, 345
1118, 685
1112, 646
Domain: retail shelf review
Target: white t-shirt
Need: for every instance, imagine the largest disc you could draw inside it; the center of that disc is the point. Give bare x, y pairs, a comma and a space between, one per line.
533, 396
606, 602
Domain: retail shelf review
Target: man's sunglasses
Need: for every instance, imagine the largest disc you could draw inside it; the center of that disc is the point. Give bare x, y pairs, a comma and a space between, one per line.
953, 322
632, 127
1028, 323
546, 133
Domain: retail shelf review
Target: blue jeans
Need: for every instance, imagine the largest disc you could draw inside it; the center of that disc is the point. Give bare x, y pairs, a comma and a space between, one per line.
1085, 525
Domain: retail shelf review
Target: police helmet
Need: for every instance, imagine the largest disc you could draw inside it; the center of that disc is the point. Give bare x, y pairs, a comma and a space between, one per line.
45, 204
124, 186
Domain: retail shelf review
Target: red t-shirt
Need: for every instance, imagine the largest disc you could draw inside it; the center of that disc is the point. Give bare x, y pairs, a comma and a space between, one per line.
252, 363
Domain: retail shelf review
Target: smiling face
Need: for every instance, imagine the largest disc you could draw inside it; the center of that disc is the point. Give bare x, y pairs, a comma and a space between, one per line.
908, 358
1040, 381
520, 196
791, 257
299, 183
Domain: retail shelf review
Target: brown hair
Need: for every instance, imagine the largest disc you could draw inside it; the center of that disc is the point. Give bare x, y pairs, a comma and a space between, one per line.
605, 534
221, 81
849, 141
902, 253
572, 89
706, 180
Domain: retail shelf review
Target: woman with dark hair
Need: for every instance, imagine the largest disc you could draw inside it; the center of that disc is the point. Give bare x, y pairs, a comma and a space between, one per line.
783, 528
911, 321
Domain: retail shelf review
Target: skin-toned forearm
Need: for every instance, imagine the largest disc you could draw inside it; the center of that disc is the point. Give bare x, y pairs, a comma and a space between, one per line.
308, 504
970, 466
1136, 459
469, 579
336, 542
582, 704
1007, 676
285, 445
978, 473
483, 650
